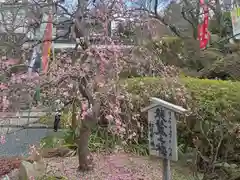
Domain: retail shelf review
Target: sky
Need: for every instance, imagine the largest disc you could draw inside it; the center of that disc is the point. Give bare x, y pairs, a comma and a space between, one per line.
150, 3
162, 3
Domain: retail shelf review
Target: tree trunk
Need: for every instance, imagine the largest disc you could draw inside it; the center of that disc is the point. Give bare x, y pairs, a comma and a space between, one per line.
218, 14
89, 121
84, 157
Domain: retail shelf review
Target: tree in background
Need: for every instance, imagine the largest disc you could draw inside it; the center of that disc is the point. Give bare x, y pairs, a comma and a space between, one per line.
180, 20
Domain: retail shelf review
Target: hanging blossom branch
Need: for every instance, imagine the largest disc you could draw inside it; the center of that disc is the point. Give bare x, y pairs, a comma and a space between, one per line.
89, 76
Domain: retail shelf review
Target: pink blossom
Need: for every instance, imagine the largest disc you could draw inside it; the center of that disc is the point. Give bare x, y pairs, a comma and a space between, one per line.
118, 122
2, 86
109, 117
116, 110
65, 93
84, 106
122, 130
33, 149
100, 84
5, 103
2, 139
84, 113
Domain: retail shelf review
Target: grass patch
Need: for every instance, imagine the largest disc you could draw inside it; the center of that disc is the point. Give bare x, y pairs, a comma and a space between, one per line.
180, 173
52, 178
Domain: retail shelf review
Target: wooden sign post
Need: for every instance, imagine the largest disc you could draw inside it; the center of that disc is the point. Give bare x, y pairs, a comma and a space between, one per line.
162, 132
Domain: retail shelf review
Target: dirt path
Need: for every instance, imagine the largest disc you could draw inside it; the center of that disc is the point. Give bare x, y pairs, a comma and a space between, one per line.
117, 166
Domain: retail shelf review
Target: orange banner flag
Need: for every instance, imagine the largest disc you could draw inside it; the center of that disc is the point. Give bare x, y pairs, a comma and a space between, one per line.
47, 43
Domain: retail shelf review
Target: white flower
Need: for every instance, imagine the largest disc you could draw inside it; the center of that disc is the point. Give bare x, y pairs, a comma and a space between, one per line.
65, 93
70, 85
57, 101
109, 117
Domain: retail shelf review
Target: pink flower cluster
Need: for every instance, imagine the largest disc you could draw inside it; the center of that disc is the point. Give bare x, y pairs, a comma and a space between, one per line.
2, 139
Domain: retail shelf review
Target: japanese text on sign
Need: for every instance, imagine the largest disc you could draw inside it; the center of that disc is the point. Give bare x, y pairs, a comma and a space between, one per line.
162, 133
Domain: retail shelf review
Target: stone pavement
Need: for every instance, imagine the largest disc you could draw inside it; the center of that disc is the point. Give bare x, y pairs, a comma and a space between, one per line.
18, 140
21, 118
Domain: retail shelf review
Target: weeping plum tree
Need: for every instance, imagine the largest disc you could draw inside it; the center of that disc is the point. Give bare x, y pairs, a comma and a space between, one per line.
87, 76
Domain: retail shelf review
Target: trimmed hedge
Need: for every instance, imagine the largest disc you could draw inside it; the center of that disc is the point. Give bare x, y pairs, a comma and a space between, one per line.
213, 102
211, 97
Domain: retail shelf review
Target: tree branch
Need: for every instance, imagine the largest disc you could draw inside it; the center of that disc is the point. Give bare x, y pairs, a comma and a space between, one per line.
155, 15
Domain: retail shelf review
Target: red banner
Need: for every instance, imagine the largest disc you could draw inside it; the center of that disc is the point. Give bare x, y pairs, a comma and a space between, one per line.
47, 42
203, 34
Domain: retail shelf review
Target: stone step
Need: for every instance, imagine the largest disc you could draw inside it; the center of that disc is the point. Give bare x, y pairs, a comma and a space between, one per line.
19, 121
21, 118
23, 114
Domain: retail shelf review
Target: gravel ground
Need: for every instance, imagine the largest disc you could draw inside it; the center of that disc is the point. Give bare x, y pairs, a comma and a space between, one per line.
118, 166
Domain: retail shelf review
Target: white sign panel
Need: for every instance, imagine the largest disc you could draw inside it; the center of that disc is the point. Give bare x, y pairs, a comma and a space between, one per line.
235, 15
162, 133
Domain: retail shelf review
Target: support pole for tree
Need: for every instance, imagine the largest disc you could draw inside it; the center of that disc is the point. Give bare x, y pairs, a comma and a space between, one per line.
74, 116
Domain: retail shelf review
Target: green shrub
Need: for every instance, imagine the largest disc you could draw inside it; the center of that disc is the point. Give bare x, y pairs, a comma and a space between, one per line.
215, 107
209, 96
